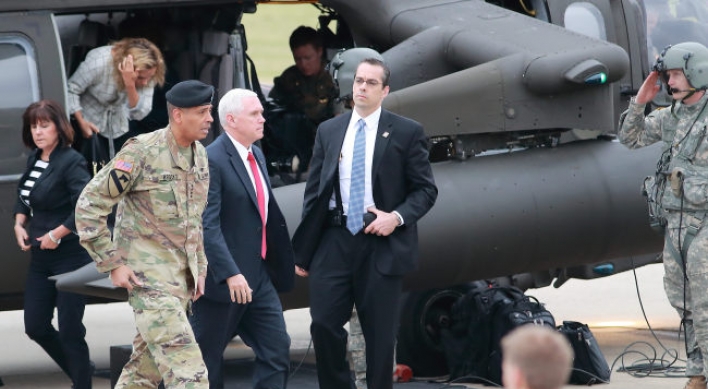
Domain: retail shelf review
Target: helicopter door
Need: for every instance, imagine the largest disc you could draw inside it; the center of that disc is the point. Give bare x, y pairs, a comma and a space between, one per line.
32, 68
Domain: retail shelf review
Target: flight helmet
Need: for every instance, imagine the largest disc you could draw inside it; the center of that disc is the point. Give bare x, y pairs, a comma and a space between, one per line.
691, 57
343, 66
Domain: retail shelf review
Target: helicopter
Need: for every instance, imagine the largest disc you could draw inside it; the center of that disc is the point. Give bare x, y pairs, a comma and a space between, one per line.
520, 100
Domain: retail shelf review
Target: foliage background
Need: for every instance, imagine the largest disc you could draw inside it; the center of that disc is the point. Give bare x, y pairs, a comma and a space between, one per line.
267, 34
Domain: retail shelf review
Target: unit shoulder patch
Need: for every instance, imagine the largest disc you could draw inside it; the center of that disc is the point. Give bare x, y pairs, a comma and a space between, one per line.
118, 181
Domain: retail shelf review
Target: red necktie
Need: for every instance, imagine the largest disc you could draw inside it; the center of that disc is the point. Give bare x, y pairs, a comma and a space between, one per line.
260, 196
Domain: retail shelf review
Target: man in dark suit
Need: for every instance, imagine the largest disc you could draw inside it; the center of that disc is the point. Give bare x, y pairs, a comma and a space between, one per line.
248, 249
366, 163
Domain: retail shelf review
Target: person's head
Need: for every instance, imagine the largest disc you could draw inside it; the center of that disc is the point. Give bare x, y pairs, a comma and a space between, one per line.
241, 115
535, 357
684, 69
147, 60
189, 109
343, 66
45, 126
370, 85
306, 46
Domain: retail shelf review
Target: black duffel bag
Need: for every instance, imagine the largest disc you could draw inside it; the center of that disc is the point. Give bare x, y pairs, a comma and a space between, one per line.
589, 366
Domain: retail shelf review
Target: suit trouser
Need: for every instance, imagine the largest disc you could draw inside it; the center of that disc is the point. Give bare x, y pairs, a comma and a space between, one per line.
343, 273
67, 347
260, 324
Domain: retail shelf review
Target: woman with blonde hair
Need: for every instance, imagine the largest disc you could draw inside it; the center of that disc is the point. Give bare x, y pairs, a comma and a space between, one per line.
113, 84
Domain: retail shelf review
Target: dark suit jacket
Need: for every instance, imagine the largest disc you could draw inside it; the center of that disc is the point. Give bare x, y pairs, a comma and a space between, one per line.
54, 195
402, 181
232, 225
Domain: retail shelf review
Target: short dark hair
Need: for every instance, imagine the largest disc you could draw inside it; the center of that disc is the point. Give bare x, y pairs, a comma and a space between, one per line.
51, 111
382, 64
304, 35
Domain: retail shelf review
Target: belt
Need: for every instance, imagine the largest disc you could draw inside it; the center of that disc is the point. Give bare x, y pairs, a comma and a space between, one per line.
335, 218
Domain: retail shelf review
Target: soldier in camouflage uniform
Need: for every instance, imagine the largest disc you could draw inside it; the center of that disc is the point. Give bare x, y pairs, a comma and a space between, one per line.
680, 186
160, 182
308, 93
357, 350
306, 86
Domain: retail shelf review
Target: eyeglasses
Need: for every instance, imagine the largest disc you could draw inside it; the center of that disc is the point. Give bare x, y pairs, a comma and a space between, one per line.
370, 82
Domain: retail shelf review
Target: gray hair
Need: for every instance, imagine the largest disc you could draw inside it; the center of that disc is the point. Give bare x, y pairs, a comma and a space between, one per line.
232, 102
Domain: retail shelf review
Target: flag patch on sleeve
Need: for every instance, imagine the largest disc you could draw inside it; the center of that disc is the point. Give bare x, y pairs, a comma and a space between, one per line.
123, 165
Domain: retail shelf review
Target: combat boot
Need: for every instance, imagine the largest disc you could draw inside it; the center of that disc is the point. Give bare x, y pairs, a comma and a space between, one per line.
696, 382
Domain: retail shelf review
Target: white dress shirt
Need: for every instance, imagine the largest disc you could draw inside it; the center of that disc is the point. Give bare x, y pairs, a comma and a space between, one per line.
345, 159
243, 153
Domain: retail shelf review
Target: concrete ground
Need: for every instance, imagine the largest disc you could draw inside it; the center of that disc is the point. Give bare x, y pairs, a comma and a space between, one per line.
610, 306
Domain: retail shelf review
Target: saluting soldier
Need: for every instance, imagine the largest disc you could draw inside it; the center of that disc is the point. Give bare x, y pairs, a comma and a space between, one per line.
679, 188
160, 182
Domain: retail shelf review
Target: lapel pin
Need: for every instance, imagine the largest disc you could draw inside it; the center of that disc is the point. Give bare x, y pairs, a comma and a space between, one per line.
385, 134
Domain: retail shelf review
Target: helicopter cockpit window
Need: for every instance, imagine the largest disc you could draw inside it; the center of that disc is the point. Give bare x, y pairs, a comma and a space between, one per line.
19, 75
674, 21
586, 19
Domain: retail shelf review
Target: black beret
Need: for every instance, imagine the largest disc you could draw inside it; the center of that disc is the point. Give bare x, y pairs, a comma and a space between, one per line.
190, 93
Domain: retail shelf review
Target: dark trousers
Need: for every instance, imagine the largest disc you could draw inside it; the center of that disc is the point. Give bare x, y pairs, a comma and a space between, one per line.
343, 273
261, 326
67, 347
117, 143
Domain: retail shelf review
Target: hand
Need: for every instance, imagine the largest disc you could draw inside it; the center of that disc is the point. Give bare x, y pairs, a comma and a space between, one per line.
123, 277
22, 237
384, 224
46, 243
649, 89
87, 128
301, 272
127, 71
199, 290
240, 291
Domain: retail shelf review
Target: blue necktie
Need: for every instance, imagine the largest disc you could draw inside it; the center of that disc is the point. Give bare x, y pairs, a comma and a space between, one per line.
355, 216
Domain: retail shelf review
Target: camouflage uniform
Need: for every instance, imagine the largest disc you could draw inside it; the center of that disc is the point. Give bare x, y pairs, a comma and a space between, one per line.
314, 96
357, 350
682, 131
160, 195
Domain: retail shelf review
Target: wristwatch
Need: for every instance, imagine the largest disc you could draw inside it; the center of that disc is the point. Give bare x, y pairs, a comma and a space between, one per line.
55, 240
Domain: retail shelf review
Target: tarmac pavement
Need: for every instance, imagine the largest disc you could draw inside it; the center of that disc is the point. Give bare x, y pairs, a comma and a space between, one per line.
610, 306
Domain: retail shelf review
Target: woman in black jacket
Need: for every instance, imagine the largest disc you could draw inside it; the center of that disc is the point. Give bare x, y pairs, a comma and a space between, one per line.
44, 225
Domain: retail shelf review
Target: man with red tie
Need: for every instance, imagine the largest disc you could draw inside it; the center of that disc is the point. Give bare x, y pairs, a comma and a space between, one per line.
248, 249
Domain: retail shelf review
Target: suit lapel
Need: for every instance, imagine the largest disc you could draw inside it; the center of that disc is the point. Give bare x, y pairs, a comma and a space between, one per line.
239, 167
54, 160
383, 134
339, 130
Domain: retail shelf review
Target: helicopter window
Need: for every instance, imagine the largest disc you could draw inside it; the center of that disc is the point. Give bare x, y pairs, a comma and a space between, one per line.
19, 75
586, 19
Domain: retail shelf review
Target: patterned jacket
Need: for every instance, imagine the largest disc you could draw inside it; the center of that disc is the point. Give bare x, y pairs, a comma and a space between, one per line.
93, 91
